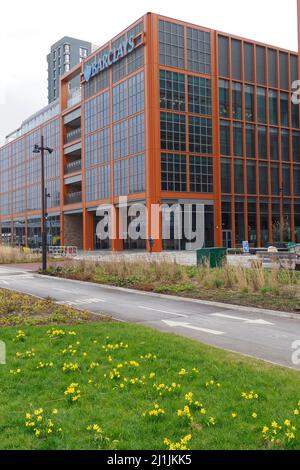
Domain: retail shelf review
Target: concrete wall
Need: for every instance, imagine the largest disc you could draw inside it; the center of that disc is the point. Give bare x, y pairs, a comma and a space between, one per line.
73, 230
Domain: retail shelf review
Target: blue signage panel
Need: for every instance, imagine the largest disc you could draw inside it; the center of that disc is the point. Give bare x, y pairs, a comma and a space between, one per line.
110, 58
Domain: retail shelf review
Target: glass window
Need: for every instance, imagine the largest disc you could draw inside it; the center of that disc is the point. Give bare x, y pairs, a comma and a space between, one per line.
198, 51
121, 178
173, 172
224, 98
173, 132
239, 187
296, 146
136, 94
285, 145
262, 143
251, 177
172, 91
297, 180
136, 134
236, 59
226, 175
201, 174
237, 107
249, 103
249, 62
261, 105
104, 146
284, 109
119, 102
263, 179
103, 111
239, 220
200, 135
294, 68
252, 221
199, 95
223, 47
295, 116
104, 182
225, 137
274, 152
286, 180
120, 140
284, 69
250, 141
137, 174
264, 222
238, 139
261, 65
275, 179
272, 61
171, 44
273, 107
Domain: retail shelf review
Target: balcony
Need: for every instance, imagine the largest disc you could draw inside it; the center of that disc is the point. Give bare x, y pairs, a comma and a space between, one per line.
74, 97
73, 167
73, 198
73, 135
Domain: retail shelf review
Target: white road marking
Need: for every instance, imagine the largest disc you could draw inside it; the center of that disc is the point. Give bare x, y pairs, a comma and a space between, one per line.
246, 320
74, 303
174, 324
64, 290
164, 311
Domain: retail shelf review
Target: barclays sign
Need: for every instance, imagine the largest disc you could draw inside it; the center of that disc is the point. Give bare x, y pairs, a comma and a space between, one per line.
109, 59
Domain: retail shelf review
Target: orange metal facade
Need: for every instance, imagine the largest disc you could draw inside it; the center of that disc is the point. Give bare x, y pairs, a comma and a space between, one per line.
148, 40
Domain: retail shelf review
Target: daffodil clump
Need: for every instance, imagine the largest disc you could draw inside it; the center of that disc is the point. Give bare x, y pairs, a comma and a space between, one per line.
71, 367
94, 365
181, 445
20, 337
148, 357
44, 365
165, 389
114, 374
98, 434
185, 413
212, 383
189, 397
42, 425
279, 434
250, 396
15, 371
156, 412
192, 373
55, 333
71, 350
73, 392
26, 355
115, 347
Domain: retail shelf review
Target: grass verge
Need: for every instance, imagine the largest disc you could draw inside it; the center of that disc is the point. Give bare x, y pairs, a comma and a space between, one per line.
92, 386
21, 310
256, 287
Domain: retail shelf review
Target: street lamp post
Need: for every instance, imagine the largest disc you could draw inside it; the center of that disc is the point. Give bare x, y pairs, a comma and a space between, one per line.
41, 149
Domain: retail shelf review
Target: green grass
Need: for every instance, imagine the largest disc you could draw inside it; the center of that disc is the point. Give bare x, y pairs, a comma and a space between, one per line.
120, 412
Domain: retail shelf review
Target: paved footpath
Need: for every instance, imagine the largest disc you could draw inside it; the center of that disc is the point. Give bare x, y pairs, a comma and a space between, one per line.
258, 333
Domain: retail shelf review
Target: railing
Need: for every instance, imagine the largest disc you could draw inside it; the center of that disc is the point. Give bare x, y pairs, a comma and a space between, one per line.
74, 97
73, 167
73, 135
61, 251
73, 198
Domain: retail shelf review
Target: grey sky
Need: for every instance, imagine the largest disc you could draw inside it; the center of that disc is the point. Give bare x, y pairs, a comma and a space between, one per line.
27, 29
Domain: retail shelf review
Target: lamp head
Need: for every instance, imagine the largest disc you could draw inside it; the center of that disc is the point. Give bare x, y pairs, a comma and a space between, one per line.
36, 149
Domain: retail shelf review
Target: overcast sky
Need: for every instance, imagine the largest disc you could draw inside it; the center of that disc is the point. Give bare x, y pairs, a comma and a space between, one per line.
28, 28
